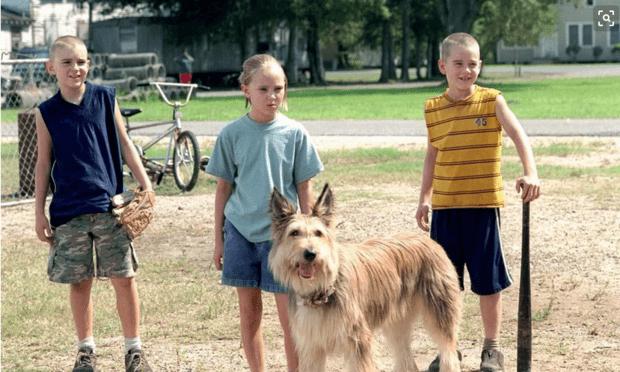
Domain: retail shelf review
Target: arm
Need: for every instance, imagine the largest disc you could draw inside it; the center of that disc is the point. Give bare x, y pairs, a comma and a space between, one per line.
222, 193
426, 189
129, 152
42, 179
304, 193
528, 184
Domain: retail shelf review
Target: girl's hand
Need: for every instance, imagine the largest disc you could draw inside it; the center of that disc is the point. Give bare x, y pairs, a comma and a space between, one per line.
43, 229
529, 188
218, 254
421, 215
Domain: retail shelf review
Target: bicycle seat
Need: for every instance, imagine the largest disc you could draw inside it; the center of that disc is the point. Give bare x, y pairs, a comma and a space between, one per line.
127, 112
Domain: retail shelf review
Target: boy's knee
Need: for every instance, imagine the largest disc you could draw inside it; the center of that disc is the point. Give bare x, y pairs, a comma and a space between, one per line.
122, 283
83, 285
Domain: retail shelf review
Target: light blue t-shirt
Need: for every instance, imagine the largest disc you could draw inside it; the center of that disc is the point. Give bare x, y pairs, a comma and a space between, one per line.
255, 158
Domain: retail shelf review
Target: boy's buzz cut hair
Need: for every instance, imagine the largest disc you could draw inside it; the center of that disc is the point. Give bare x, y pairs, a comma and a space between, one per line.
65, 42
457, 39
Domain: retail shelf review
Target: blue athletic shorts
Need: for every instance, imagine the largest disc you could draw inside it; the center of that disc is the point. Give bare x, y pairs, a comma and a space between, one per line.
246, 263
471, 238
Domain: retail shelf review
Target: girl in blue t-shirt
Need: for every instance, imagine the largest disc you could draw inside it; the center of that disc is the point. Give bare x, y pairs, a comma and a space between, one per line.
259, 151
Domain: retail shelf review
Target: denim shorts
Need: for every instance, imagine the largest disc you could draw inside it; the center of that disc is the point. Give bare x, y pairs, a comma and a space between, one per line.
471, 237
90, 245
246, 263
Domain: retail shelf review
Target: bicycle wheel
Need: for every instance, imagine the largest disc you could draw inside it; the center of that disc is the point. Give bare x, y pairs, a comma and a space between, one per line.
186, 161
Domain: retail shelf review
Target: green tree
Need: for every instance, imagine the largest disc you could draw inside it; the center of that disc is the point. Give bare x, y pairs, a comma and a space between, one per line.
321, 16
516, 22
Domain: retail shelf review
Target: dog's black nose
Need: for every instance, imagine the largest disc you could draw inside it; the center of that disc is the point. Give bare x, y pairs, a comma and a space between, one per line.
309, 255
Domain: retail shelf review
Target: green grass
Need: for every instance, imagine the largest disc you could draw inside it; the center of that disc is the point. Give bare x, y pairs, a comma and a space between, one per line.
37, 312
529, 99
562, 149
369, 165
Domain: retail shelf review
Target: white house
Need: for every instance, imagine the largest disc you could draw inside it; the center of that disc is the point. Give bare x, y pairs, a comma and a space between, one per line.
575, 27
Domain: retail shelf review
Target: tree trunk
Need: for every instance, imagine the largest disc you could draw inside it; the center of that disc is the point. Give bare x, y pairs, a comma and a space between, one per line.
291, 56
317, 72
385, 52
432, 53
404, 60
418, 57
429, 60
458, 15
242, 42
391, 63
90, 25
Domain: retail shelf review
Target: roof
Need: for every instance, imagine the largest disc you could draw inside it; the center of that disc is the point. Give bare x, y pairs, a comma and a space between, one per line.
12, 18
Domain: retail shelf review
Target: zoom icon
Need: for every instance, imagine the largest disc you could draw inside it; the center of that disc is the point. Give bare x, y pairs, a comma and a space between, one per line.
605, 17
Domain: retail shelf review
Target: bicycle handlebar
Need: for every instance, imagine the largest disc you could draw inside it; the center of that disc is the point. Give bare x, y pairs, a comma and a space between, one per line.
159, 84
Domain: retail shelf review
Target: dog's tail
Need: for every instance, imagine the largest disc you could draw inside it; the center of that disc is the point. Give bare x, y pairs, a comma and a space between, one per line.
438, 287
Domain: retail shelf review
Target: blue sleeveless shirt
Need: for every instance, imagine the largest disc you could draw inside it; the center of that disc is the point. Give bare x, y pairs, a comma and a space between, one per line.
86, 154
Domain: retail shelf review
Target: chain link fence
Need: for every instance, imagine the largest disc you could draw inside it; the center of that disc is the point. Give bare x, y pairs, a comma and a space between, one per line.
25, 84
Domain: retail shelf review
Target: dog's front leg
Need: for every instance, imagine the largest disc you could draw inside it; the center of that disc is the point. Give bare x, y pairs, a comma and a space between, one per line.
359, 359
312, 360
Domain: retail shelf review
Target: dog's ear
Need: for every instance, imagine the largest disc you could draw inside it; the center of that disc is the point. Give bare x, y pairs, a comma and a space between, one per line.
281, 209
324, 206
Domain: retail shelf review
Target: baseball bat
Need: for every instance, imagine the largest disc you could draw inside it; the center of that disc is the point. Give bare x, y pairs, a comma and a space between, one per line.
524, 331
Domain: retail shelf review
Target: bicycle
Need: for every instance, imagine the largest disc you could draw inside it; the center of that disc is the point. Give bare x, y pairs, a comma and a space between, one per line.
182, 158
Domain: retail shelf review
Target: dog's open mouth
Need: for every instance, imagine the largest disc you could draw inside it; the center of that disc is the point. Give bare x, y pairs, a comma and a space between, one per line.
305, 270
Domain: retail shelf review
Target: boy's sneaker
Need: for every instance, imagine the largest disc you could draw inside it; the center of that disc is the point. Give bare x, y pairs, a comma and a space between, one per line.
434, 366
135, 361
492, 361
85, 361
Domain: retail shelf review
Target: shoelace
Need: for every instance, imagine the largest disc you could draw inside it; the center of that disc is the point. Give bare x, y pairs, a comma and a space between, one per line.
136, 360
85, 359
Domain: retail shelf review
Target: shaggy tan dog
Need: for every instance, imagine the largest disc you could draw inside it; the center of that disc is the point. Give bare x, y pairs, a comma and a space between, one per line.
339, 294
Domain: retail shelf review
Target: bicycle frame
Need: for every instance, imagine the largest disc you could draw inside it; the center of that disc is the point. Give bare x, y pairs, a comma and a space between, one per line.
175, 124
173, 130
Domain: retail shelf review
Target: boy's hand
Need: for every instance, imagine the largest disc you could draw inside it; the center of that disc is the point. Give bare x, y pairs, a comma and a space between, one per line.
43, 229
529, 188
421, 215
218, 253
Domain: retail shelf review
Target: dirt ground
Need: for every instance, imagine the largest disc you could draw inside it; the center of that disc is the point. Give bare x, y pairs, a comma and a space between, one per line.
575, 266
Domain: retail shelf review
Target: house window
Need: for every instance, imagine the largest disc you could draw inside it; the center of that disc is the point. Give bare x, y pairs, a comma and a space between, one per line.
614, 34
128, 38
573, 34
586, 35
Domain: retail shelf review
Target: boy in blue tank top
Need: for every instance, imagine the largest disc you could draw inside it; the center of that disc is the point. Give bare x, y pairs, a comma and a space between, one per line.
81, 141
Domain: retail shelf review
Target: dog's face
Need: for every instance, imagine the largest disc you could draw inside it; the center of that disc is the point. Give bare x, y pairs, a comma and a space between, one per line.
303, 256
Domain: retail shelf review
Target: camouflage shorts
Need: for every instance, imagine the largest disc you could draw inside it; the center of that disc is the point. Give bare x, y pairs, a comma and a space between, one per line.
90, 245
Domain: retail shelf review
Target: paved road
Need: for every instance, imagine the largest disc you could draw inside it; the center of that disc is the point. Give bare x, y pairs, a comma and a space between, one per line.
538, 127
552, 127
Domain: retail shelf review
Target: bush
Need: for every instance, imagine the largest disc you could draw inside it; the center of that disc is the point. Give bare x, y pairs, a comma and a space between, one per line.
573, 51
597, 51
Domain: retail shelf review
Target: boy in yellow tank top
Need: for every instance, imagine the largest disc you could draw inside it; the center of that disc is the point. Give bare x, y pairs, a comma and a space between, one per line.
462, 182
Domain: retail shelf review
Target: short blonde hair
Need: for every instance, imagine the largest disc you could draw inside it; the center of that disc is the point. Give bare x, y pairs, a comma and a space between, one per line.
66, 41
257, 63
457, 39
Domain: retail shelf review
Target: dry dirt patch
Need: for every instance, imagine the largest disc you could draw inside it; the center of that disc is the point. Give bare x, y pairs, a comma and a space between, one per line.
575, 276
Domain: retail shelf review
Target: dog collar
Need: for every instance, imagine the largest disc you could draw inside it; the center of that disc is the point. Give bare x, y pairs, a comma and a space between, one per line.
316, 299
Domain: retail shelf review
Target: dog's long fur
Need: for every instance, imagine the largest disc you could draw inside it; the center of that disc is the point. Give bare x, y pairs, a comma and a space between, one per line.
340, 294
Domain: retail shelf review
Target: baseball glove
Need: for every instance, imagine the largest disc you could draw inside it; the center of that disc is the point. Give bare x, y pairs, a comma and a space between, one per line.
134, 210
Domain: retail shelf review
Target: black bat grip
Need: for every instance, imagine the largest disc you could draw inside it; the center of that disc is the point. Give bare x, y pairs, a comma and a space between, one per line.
524, 331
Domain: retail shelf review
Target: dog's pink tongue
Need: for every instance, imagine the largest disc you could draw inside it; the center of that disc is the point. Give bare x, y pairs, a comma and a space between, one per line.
306, 270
